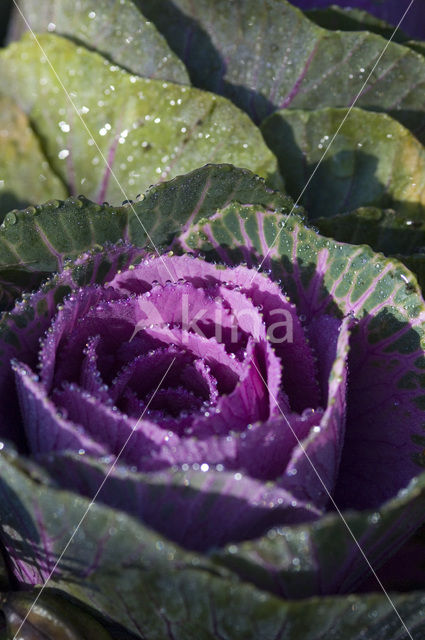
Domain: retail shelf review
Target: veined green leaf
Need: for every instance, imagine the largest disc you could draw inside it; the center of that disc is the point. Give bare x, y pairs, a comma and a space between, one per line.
129, 132
373, 160
51, 618
117, 30
384, 230
25, 174
270, 56
136, 579
40, 239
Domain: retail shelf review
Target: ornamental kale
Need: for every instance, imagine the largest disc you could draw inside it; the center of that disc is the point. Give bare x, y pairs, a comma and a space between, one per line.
223, 408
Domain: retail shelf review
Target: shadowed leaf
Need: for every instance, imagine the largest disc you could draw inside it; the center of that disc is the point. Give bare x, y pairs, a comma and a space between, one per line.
155, 590
384, 230
373, 160
269, 56
391, 11
347, 19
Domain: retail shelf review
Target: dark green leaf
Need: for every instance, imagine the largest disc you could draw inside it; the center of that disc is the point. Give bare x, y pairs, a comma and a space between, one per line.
40, 239
346, 19
383, 229
157, 591
269, 56
373, 160
310, 558
417, 45
52, 618
416, 263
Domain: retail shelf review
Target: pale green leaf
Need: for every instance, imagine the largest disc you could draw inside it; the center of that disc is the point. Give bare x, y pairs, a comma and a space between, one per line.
117, 30
144, 130
25, 174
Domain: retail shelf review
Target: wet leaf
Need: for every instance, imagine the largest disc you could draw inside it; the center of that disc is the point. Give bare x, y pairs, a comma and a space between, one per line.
372, 161
384, 230
50, 618
280, 59
117, 30
25, 175
391, 11
348, 19
155, 590
146, 130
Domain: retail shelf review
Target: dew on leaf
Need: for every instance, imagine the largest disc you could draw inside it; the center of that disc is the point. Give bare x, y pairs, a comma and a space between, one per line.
10, 218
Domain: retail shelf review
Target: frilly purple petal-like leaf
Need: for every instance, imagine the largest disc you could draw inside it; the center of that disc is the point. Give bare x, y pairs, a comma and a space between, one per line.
312, 472
21, 328
45, 428
277, 311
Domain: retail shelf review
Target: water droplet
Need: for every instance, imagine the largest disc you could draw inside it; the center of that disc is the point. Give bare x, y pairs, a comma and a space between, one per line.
374, 518
10, 218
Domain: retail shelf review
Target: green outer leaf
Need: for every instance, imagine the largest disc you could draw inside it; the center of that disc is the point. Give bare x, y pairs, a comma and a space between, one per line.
346, 19
52, 618
117, 30
40, 239
384, 230
417, 45
271, 56
146, 129
154, 589
37, 241
373, 160
199, 194
25, 175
